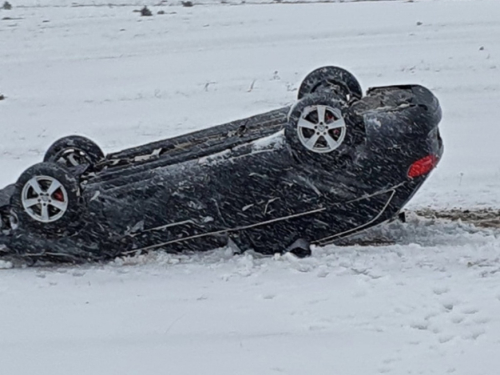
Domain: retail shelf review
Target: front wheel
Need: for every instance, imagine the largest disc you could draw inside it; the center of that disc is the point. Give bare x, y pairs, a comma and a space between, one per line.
46, 198
331, 79
74, 150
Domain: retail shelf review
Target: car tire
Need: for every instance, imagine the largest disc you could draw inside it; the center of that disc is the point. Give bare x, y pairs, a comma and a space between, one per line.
47, 198
308, 134
74, 150
328, 79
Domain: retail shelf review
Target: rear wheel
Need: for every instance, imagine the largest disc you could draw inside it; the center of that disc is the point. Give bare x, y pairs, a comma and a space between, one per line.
331, 79
316, 125
46, 198
74, 150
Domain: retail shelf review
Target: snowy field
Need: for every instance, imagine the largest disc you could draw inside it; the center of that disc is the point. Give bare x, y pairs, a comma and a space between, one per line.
429, 303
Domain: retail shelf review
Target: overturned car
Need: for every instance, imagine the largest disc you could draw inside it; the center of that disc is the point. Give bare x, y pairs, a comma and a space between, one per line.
333, 164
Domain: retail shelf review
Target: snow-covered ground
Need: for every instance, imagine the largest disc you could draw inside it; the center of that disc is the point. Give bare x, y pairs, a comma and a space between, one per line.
428, 304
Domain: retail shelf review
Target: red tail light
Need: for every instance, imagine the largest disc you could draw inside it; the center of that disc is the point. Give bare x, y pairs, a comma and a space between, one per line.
422, 166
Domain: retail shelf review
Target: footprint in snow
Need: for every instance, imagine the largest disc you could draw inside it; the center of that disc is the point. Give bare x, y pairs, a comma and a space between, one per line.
449, 302
457, 319
439, 290
388, 361
469, 310
481, 320
267, 296
318, 327
474, 333
384, 370
420, 325
444, 338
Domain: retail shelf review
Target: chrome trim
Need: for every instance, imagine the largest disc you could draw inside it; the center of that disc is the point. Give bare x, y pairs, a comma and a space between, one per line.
222, 231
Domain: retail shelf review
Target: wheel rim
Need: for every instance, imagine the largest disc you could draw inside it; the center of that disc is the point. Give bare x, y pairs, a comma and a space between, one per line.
44, 199
321, 128
73, 157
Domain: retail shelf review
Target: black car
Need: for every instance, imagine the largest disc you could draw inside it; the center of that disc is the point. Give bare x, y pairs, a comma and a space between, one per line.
333, 164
